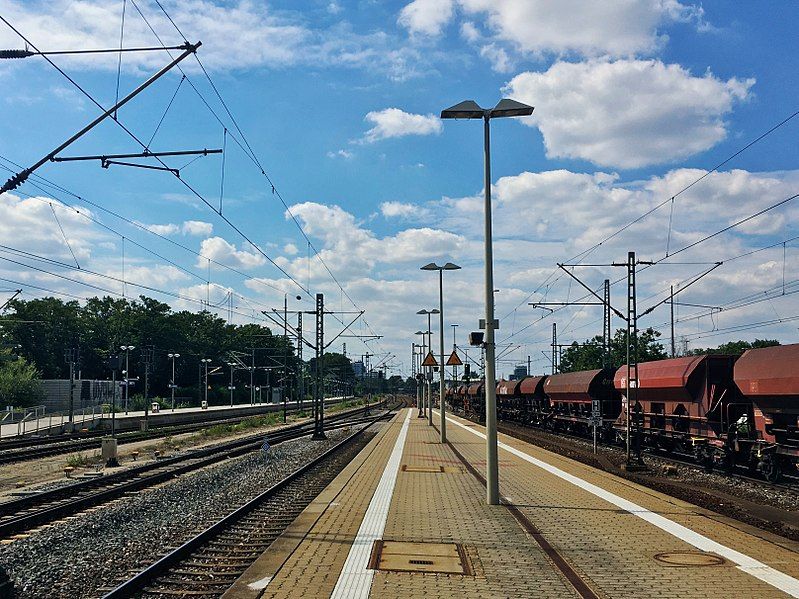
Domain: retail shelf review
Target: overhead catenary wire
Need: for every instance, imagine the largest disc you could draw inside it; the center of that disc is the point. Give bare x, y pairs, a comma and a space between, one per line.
194, 192
249, 152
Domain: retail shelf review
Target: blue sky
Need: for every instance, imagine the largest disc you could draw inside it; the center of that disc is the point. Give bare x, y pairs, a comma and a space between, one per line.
339, 100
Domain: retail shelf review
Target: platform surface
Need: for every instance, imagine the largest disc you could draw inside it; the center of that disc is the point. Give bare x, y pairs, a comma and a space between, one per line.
569, 531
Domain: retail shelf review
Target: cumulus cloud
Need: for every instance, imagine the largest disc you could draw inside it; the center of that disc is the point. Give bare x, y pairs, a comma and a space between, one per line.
619, 28
197, 227
393, 122
402, 210
189, 227
351, 249
426, 16
627, 113
264, 37
223, 252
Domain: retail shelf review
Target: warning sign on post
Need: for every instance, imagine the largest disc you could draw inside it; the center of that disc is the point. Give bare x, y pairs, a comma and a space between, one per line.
430, 360
454, 359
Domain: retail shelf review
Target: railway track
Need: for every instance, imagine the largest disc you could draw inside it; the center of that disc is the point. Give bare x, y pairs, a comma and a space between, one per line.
33, 448
209, 563
567, 440
28, 512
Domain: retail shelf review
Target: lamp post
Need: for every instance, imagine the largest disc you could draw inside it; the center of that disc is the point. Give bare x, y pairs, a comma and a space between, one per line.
205, 362
172, 384
469, 109
420, 391
429, 378
231, 388
127, 349
442, 405
454, 348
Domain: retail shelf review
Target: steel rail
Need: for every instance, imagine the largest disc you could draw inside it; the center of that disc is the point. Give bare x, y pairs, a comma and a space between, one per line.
165, 563
131, 480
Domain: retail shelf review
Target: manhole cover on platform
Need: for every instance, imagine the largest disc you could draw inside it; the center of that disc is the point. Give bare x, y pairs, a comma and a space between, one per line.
413, 468
441, 558
689, 558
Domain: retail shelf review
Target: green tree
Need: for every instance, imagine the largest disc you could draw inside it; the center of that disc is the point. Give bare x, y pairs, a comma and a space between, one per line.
588, 356
736, 347
20, 383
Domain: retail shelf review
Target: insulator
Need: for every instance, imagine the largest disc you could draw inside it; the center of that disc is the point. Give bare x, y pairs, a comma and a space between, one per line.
15, 53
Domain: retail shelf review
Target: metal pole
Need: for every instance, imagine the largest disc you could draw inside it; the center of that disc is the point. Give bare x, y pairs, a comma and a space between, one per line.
127, 378
231, 385
492, 466
114, 403
443, 419
173, 383
319, 423
430, 370
22, 176
671, 303
206, 384
284, 387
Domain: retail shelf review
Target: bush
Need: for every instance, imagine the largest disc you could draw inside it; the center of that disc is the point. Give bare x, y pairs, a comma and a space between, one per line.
19, 383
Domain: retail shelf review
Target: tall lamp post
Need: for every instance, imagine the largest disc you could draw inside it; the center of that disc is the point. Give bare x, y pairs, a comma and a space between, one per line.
205, 362
442, 403
469, 109
172, 384
231, 387
429, 378
127, 349
422, 348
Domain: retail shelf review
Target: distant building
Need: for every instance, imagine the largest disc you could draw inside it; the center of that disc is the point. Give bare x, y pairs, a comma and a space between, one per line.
519, 372
359, 369
86, 393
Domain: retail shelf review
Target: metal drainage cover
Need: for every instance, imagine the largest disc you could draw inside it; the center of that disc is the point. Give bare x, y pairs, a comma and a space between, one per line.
440, 558
689, 558
434, 469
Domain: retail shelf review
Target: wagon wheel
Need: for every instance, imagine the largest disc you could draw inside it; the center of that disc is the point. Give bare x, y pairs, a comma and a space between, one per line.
770, 467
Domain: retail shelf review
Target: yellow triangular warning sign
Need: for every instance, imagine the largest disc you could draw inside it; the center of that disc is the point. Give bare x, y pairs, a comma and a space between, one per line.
430, 360
454, 360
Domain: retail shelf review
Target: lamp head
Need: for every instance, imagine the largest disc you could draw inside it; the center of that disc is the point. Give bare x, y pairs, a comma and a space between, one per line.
508, 107
451, 266
468, 109
431, 266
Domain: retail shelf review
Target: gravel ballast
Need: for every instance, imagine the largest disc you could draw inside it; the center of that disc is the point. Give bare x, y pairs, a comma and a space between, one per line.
74, 558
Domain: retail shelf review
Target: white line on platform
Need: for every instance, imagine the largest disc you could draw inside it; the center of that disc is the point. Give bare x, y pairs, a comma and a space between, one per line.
759, 570
355, 580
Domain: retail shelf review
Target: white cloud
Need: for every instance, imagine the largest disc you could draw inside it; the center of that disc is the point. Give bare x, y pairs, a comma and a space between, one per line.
618, 28
197, 227
221, 251
499, 59
627, 113
264, 37
334, 8
426, 16
393, 122
402, 210
166, 229
342, 153
290, 249
189, 227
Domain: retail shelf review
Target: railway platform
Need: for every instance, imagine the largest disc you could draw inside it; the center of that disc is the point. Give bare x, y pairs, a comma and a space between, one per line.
407, 518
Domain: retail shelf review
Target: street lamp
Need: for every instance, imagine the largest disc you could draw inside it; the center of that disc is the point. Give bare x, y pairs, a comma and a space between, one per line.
441, 269
127, 349
470, 110
420, 392
172, 384
429, 334
231, 387
205, 362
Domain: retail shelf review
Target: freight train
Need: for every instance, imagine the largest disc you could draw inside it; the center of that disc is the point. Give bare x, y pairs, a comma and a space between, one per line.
723, 410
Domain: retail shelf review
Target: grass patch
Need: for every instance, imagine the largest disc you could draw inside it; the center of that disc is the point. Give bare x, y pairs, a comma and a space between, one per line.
224, 430
83, 460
